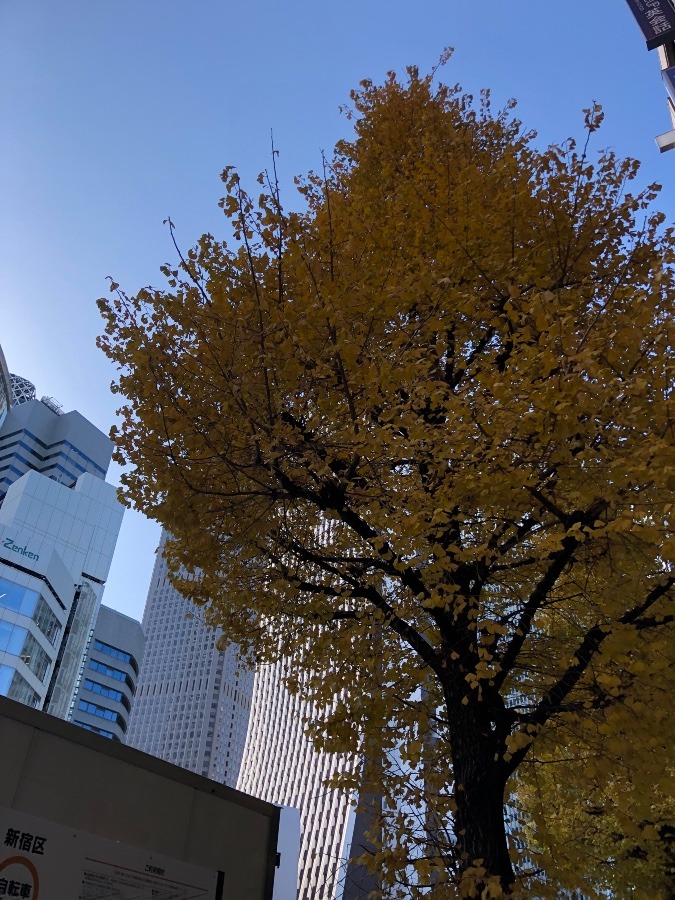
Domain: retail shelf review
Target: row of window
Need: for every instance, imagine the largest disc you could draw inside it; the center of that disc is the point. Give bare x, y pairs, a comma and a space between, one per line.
52, 470
101, 731
44, 470
11, 468
42, 459
47, 622
96, 688
21, 459
30, 603
116, 653
15, 686
5, 480
53, 473
53, 447
117, 674
17, 598
103, 713
20, 642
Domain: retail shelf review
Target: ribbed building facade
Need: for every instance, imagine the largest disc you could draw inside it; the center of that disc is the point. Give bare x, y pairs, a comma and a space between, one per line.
281, 766
193, 701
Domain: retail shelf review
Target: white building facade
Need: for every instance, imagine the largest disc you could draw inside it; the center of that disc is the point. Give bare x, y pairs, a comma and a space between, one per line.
193, 701
280, 765
56, 545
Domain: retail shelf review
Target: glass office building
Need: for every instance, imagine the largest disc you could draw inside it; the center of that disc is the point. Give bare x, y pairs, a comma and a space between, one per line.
56, 545
31, 635
36, 436
59, 521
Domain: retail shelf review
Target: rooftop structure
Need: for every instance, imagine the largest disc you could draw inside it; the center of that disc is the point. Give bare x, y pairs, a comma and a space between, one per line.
23, 390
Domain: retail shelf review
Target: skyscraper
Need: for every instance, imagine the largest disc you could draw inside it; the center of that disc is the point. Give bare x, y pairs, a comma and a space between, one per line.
59, 522
280, 765
193, 701
37, 437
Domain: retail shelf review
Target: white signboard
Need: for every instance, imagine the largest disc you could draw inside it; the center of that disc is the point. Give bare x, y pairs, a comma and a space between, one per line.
41, 860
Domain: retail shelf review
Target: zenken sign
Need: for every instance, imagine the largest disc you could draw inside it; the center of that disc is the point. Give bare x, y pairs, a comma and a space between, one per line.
24, 551
656, 18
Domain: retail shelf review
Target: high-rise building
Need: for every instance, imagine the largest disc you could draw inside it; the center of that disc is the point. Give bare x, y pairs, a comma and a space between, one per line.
5, 388
193, 701
37, 437
282, 766
59, 522
109, 675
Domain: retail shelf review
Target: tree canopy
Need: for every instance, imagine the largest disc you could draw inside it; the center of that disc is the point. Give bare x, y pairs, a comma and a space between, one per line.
417, 437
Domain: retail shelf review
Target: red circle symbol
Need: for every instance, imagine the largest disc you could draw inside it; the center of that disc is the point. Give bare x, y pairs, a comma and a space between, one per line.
28, 864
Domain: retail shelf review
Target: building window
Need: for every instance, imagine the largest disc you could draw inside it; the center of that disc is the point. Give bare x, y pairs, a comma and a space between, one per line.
109, 692
101, 731
35, 657
116, 653
30, 603
15, 686
17, 598
46, 621
12, 638
117, 674
102, 712
20, 642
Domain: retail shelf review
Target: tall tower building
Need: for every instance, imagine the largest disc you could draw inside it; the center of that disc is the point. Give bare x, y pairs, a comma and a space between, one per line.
280, 765
59, 522
193, 702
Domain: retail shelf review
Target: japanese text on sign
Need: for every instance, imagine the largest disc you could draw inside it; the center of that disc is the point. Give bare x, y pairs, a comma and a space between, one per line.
24, 841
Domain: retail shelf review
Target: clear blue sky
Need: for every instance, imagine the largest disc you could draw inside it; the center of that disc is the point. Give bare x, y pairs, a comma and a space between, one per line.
115, 115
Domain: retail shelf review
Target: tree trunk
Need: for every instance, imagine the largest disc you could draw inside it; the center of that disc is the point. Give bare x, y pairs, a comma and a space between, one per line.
480, 783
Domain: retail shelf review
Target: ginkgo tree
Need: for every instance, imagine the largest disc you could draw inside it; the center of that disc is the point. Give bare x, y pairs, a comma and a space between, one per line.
416, 437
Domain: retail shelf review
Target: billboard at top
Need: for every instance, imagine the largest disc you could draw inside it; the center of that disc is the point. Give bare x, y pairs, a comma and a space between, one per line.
656, 18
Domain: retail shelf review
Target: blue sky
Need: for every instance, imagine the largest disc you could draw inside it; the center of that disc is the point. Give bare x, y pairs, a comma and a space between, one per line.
115, 115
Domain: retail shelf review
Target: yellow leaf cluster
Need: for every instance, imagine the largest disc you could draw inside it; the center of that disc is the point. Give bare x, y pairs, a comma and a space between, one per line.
416, 439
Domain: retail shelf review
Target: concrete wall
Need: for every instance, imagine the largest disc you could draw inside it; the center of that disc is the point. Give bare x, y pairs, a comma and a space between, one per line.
58, 773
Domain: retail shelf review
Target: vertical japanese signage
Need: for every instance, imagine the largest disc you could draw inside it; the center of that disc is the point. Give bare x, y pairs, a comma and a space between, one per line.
656, 18
41, 860
20, 858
